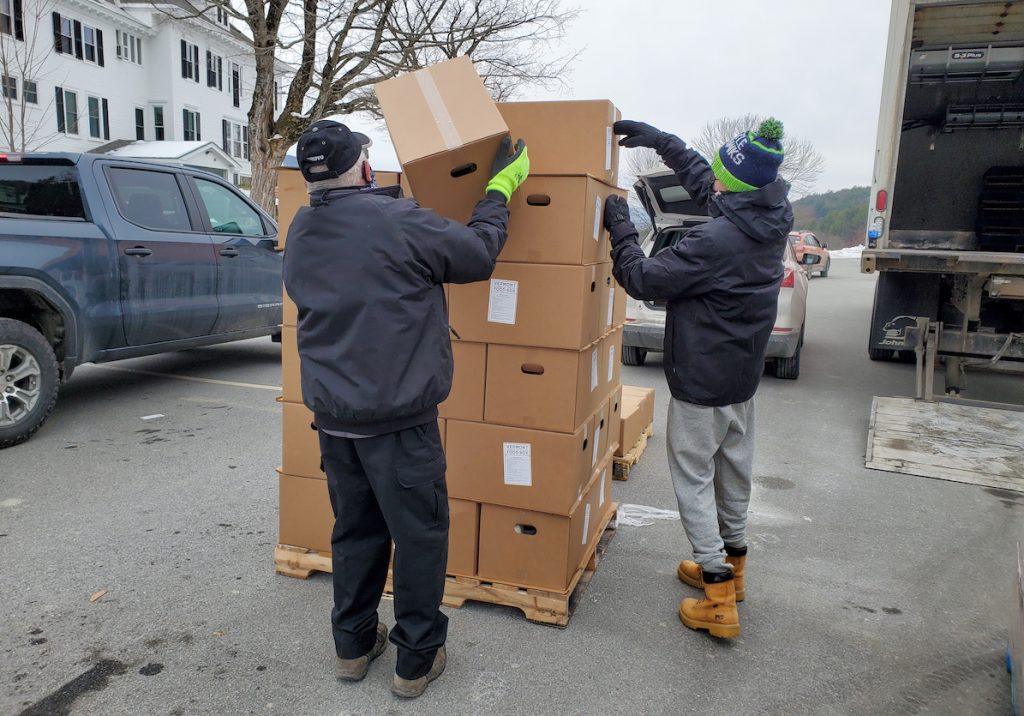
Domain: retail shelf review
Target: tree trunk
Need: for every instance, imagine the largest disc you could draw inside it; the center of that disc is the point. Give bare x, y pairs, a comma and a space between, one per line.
266, 155
266, 145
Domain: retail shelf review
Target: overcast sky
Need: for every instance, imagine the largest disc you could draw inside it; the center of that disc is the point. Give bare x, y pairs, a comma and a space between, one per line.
678, 64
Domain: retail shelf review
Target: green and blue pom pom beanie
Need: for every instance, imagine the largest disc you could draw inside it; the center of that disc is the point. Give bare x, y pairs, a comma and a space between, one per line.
752, 160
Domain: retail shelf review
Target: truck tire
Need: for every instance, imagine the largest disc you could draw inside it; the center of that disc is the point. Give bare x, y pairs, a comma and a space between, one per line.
633, 355
29, 381
788, 368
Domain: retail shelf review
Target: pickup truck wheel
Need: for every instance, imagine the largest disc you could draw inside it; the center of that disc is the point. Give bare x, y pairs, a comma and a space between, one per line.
633, 355
29, 381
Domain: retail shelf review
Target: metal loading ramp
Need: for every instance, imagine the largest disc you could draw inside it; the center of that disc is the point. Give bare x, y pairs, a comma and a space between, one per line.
947, 441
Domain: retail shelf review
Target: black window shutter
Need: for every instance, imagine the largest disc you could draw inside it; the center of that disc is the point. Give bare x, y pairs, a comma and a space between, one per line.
60, 108
209, 69
56, 32
184, 59
19, 22
106, 120
225, 129
184, 124
199, 134
99, 47
220, 74
78, 40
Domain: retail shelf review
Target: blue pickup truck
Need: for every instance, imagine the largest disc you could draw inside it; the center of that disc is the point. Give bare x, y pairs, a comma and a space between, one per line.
103, 259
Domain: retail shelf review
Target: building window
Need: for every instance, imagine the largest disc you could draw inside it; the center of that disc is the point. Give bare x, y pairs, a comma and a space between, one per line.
10, 88
140, 124
189, 61
214, 71
235, 139
63, 34
222, 16
158, 123
31, 91
236, 85
190, 123
129, 47
12, 19
99, 119
67, 111
89, 34
71, 37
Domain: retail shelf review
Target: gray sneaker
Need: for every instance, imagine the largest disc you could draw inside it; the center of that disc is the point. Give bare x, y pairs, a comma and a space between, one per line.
411, 688
355, 669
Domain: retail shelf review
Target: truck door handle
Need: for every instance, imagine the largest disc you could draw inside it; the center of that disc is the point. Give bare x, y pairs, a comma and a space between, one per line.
138, 251
230, 253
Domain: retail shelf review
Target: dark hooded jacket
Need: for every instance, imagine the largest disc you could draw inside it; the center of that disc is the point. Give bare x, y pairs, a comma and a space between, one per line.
721, 282
365, 269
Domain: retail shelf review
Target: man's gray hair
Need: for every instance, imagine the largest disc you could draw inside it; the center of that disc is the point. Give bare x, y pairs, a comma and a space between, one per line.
352, 177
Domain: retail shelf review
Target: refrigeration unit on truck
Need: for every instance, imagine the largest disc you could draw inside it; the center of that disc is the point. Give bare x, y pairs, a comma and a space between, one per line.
946, 218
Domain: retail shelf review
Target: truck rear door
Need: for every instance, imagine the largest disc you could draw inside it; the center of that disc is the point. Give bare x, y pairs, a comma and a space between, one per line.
167, 261
249, 265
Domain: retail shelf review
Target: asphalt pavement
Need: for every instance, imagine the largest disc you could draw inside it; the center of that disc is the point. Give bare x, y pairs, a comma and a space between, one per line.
136, 563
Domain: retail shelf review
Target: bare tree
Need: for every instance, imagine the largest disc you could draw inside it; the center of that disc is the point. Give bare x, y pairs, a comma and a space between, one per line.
25, 48
803, 163
639, 161
341, 48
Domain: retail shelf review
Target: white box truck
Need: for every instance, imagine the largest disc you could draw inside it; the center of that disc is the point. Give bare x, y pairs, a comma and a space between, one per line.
946, 216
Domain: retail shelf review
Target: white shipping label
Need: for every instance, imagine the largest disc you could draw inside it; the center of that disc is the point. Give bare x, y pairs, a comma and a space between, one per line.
597, 219
611, 362
593, 371
501, 305
586, 522
611, 307
609, 136
597, 445
518, 466
605, 475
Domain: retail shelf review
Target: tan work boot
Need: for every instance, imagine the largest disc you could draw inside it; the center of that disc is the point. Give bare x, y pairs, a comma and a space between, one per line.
355, 669
716, 612
411, 688
691, 573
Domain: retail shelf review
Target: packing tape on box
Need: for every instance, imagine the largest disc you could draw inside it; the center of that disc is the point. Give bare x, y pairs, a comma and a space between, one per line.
443, 119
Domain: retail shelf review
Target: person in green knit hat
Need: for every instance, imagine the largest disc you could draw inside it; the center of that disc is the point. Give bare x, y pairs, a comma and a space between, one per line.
721, 284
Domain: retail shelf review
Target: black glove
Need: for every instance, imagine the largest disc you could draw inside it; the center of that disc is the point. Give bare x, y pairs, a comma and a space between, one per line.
617, 221
638, 134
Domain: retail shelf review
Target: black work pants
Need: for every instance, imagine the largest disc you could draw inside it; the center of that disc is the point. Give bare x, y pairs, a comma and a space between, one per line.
383, 488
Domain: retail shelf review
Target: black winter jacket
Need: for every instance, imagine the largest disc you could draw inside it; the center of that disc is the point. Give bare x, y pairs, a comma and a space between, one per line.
365, 269
721, 282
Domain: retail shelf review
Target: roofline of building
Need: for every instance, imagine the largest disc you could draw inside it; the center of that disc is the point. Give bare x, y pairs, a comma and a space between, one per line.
114, 13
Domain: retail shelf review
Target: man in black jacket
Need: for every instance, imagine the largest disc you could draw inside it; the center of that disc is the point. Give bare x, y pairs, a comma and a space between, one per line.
365, 269
721, 282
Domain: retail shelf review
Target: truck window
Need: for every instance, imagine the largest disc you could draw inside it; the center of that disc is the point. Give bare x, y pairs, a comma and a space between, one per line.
50, 190
151, 199
228, 212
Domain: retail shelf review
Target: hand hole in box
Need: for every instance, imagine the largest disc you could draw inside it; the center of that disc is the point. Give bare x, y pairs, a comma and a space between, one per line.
533, 369
525, 529
538, 200
463, 170
593, 286
586, 442
602, 422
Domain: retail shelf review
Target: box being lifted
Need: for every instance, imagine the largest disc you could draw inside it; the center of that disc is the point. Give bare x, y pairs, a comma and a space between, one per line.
446, 131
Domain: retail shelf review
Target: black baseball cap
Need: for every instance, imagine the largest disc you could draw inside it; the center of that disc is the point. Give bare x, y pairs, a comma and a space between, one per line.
330, 144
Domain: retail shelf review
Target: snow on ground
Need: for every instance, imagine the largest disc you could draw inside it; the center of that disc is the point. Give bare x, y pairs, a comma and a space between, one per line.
851, 252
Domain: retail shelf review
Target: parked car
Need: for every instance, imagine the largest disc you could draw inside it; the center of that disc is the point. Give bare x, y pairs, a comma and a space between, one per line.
673, 213
804, 242
104, 258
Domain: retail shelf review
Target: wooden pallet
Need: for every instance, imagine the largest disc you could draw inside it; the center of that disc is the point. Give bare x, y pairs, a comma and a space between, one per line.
538, 605
620, 471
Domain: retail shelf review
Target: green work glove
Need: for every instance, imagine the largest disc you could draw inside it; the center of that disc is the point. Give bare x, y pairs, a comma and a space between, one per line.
509, 171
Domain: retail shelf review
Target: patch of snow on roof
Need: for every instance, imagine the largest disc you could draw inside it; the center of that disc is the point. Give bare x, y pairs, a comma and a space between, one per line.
159, 150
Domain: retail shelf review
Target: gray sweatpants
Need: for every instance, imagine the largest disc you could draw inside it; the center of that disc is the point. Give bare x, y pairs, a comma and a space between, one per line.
711, 460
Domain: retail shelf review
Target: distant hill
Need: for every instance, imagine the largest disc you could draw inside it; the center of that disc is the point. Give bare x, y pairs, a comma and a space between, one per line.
837, 217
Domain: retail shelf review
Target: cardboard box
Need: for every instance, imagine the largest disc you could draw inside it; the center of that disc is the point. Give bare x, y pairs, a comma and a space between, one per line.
613, 307
615, 423
300, 445
550, 388
289, 311
291, 196
530, 305
387, 178
463, 537
646, 396
305, 515
516, 467
541, 550
573, 137
446, 132
466, 399
291, 379
558, 220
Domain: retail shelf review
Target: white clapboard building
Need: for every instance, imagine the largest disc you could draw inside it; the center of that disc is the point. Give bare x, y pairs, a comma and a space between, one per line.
131, 78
